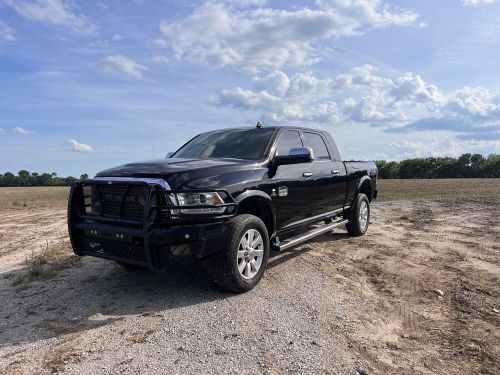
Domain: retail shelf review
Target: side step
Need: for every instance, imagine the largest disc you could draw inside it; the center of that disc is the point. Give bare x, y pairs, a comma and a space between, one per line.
293, 241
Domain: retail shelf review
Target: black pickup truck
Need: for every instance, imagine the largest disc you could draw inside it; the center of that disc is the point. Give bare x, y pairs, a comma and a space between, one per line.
227, 196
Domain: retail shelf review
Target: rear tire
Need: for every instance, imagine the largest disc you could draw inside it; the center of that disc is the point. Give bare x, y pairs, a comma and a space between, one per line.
359, 216
241, 264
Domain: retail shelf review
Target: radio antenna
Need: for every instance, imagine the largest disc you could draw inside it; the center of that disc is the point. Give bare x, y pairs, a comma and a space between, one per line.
153, 140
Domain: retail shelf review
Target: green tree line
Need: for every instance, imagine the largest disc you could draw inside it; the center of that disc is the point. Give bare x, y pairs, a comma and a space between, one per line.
465, 166
25, 178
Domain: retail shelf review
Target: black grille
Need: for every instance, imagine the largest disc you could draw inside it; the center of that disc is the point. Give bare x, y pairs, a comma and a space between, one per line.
120, 201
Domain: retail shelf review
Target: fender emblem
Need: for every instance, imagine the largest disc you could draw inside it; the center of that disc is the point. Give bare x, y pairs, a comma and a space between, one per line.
282, 191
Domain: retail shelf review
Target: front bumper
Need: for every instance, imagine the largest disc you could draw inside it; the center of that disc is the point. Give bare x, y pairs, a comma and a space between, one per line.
152, 242
163, 246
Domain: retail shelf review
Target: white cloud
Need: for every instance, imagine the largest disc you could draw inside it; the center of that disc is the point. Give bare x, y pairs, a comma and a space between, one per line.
22, 131
160, 59
6, 32
276, 83
411, 87
372, 109
433, 147
304, 97
373, 13
404, 104
57, 12
117, 37
246, 3
475, 3
124, 65
304, 86
476, 101
282, 99
2, 132
360, 76
265, 39
80, 147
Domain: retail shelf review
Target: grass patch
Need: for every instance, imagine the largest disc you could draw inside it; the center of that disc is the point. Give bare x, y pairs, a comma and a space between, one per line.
35, 263
19, 204
33, 197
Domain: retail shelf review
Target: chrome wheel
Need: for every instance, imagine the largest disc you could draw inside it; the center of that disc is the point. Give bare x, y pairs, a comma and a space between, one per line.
363, 215
250, 254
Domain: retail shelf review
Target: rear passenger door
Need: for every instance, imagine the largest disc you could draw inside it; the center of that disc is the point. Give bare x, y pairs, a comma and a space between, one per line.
329, 175
292, 186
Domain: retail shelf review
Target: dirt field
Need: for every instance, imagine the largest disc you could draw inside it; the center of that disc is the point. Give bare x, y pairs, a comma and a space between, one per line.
420, 294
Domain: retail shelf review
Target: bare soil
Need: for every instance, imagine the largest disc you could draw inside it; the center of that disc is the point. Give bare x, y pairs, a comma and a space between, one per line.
420, 293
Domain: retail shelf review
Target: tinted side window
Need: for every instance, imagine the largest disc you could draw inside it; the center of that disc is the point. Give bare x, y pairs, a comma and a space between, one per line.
315, 141
287, 140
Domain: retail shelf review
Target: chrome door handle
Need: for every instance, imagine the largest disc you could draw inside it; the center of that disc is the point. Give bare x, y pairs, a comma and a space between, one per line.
335, 172
307, 174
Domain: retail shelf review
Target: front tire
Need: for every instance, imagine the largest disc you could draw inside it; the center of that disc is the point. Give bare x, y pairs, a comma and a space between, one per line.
359, 217
241, 264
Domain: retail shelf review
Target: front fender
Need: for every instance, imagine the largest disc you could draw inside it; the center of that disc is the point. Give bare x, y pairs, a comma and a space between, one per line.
262, 197
253, 193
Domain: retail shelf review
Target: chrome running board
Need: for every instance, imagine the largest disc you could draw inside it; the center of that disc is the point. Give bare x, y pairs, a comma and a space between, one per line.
295, 240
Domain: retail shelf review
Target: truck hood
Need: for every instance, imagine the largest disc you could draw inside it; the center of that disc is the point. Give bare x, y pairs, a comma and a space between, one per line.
185, 173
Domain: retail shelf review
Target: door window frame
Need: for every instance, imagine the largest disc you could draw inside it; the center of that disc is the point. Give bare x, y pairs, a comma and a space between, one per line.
274, 148
325, 143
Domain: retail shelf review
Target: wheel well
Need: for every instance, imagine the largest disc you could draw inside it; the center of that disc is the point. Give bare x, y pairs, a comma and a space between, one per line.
259, 208
366, 188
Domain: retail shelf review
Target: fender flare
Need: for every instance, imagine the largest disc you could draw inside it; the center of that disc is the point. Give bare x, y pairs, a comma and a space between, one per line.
260, 196
362, 181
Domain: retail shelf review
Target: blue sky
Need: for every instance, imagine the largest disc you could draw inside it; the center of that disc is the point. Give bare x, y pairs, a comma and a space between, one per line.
84, 85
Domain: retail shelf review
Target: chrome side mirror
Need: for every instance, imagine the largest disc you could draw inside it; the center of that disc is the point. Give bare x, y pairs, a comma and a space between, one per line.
297, 155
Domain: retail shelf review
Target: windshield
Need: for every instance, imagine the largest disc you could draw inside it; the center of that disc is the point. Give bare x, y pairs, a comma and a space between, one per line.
236, 144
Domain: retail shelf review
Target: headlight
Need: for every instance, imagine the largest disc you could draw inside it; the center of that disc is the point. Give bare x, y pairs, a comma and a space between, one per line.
209, 199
